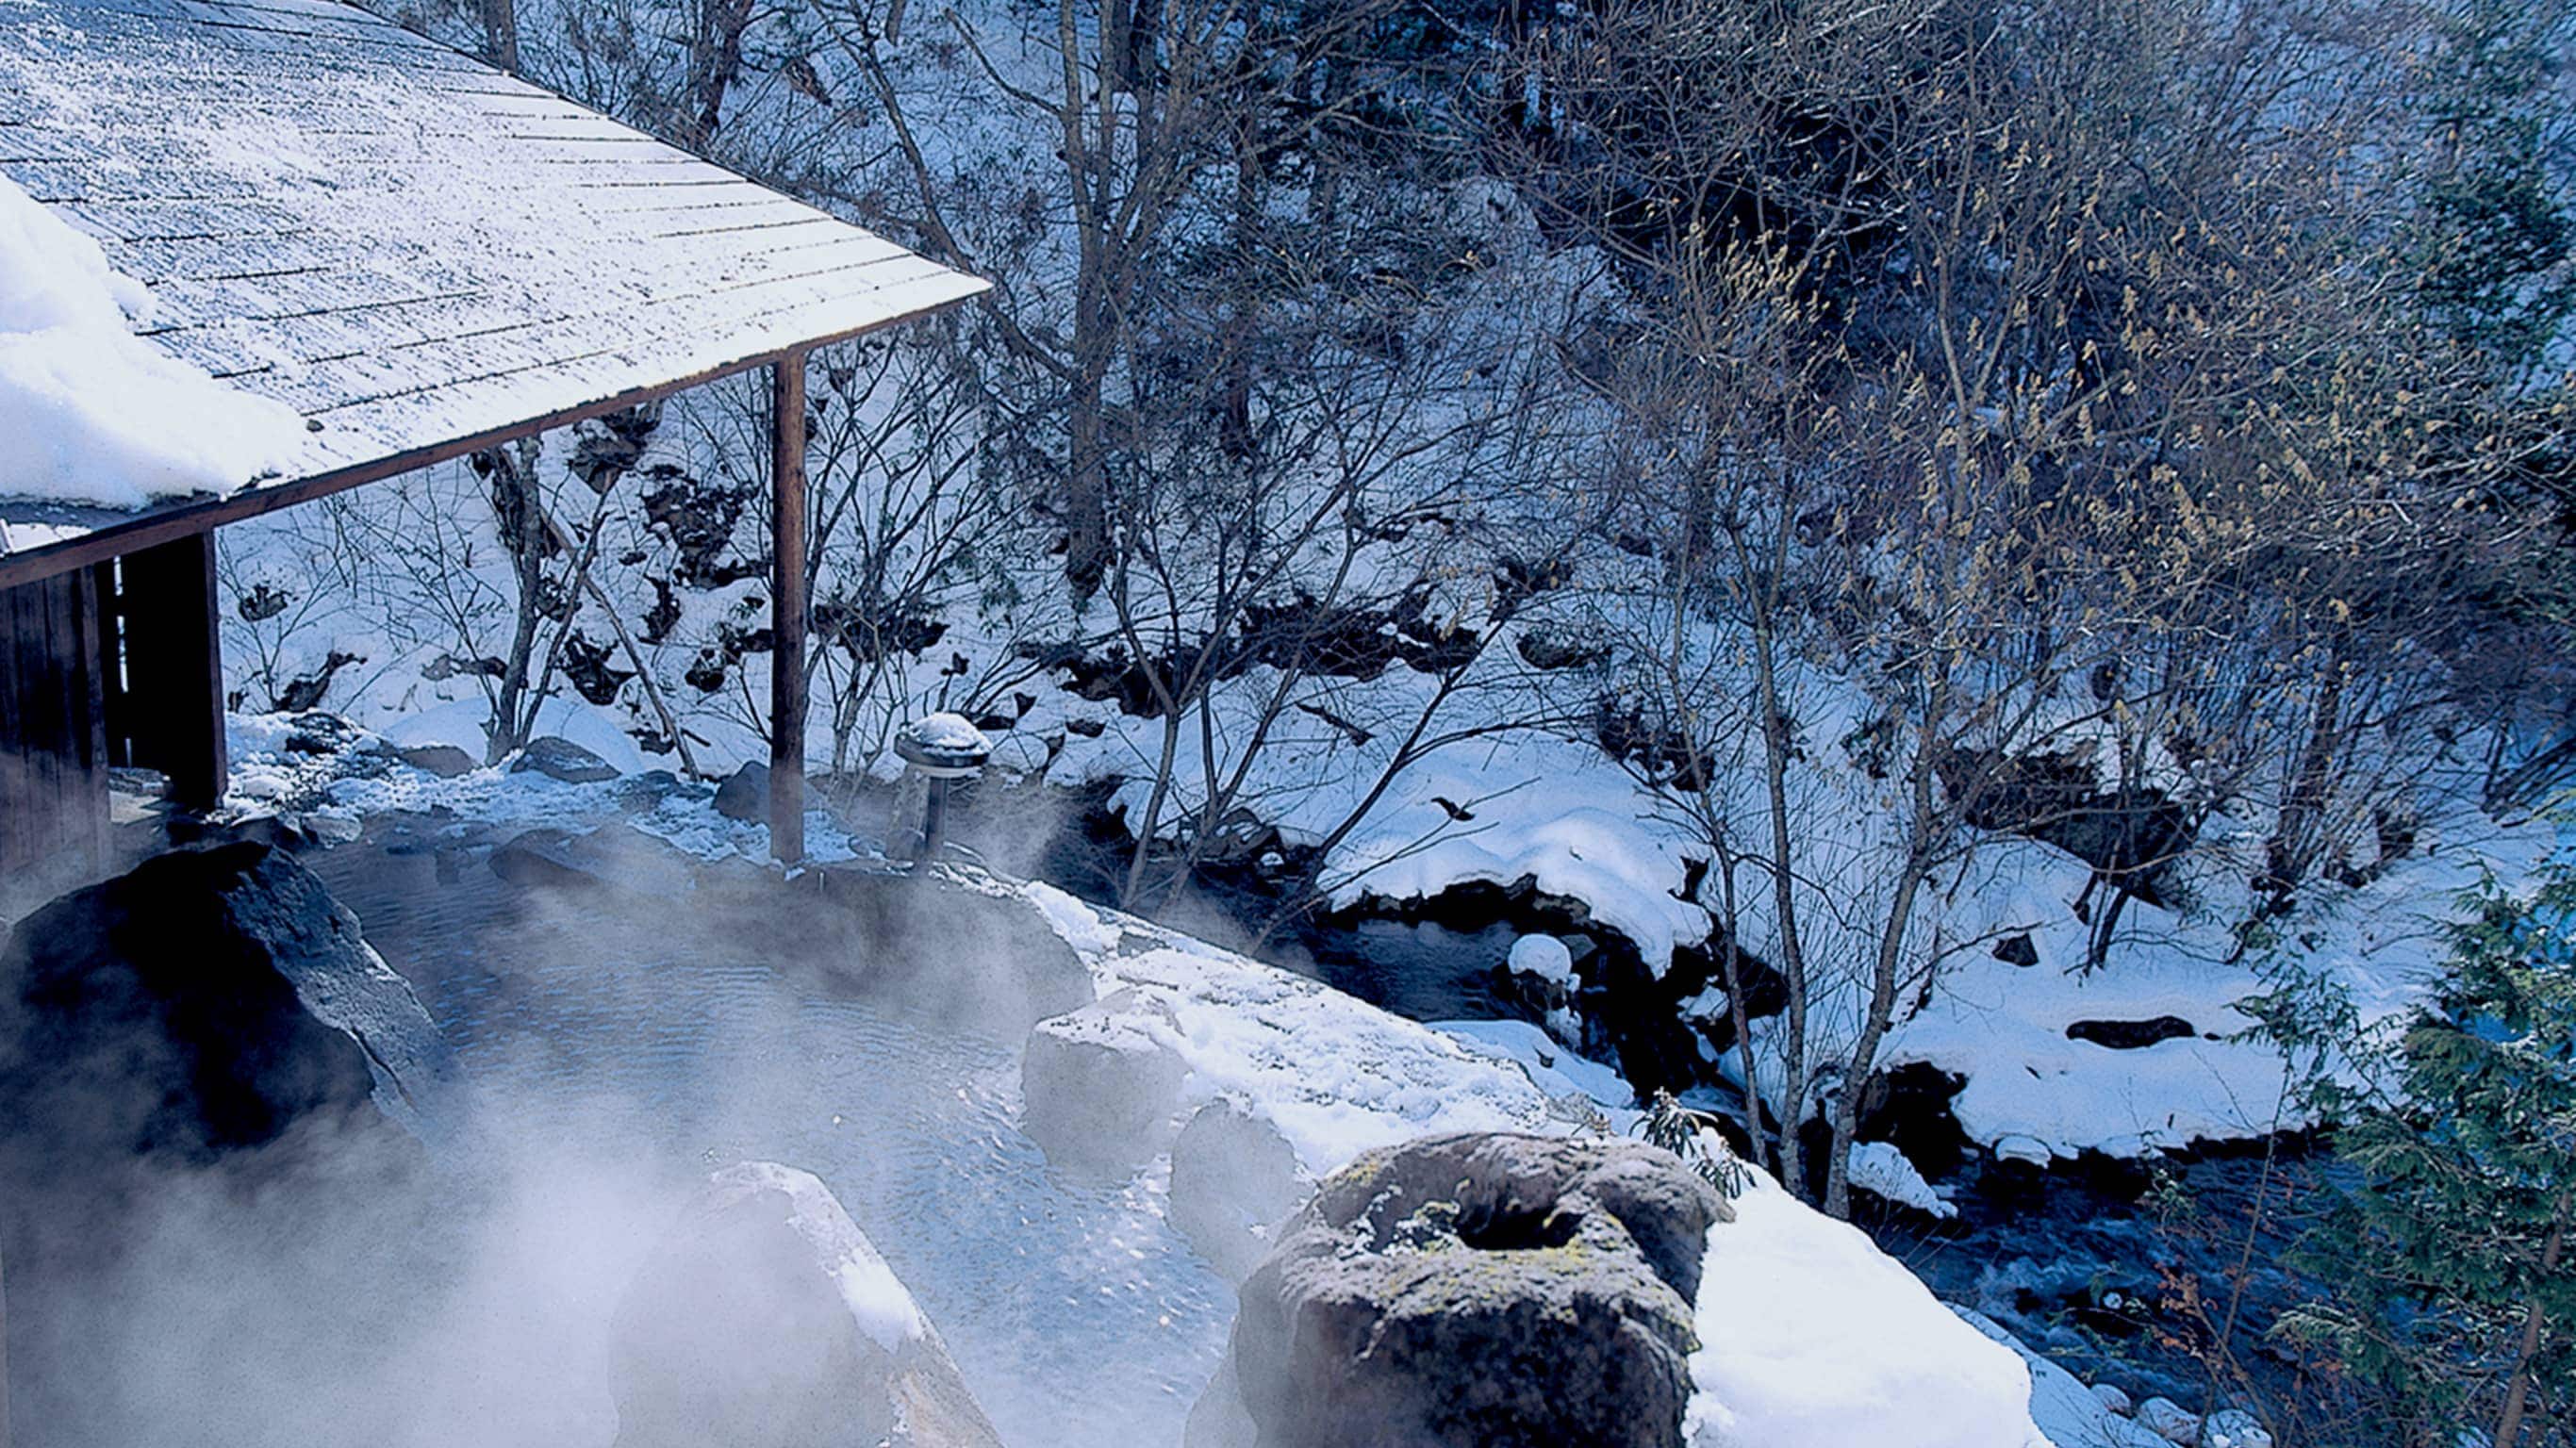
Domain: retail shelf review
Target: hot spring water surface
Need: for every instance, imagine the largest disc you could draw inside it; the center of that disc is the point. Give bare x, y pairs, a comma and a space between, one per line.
1076, 1313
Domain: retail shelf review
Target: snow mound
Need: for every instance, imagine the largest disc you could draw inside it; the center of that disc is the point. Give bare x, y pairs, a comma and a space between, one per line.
1543, 956
93, 413
1877, 1166
1813, 1338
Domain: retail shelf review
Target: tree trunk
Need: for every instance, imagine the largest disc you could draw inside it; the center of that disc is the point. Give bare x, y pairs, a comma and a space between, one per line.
2517, 1393
1793, 959
501, 34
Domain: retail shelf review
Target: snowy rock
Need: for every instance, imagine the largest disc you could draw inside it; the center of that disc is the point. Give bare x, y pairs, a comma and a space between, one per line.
207, 1001
1543, 956
2234, 1428
2170, 1421
1479, 1289
2112, 1397
559, 758
1235, 1178
745, 794
1539, 979
767, 1319
1101, 1084
1811, 1337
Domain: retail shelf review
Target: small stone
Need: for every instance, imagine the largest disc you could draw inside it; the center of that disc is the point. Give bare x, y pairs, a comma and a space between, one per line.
444, 760
2170, 1421
2234, 1428
745, 794
2111, 1397
558, 758
2017, 950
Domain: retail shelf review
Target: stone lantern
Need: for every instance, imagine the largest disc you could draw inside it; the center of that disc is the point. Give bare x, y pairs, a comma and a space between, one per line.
940, 748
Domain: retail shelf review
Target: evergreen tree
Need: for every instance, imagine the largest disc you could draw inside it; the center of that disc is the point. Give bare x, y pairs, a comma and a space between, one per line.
2454, 1281
2495, 230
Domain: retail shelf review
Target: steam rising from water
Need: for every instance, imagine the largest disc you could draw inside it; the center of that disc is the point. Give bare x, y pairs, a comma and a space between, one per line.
343, 1285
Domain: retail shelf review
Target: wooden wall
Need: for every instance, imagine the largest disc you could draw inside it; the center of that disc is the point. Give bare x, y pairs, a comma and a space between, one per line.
53, 744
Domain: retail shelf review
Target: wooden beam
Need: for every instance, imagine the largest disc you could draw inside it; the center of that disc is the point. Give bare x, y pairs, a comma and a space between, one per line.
174, 667
787, 608
169, 522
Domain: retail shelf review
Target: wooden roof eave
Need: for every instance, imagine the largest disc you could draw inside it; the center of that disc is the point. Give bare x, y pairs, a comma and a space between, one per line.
167, 522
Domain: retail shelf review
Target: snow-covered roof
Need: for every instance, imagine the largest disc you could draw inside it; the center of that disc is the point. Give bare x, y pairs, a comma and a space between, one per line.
415, 252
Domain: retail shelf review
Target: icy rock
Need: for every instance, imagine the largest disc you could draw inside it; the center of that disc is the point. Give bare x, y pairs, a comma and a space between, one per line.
745, 794
2114, 1399
1475, 1289
1101, 1084
1235, 1178
2170, 1421
226, 994
559, 758
2234, 1428
767, 1319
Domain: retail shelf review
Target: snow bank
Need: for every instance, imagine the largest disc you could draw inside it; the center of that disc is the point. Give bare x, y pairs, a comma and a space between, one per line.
2071, 1414
93, 413
1554, 1069
1810, 1337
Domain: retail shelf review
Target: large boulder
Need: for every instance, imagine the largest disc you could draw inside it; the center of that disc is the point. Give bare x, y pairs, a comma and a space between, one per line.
1235, 1179
1476, 1291
1100, 1085
197, 1060
767, 1319
208, 1001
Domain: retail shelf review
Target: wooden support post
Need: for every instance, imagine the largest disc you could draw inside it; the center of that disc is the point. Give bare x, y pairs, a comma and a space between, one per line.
53, 747
787, 609
174, 667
